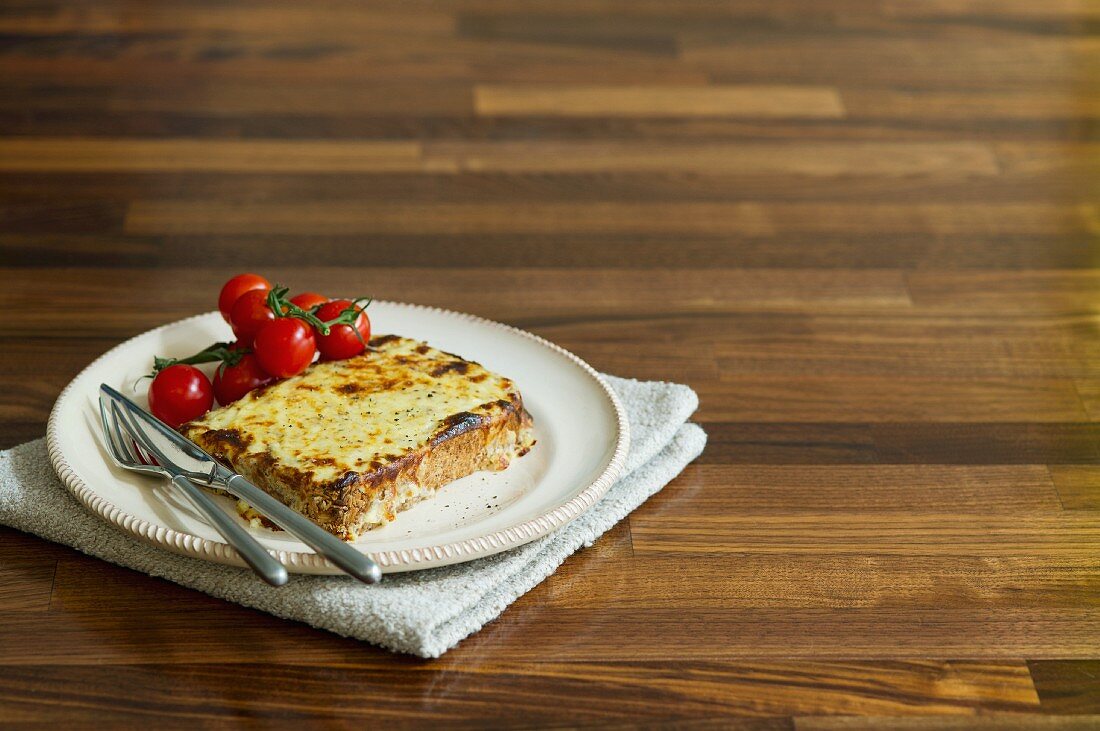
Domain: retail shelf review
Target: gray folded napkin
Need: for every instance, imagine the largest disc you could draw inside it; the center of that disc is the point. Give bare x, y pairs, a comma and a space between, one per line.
424, 613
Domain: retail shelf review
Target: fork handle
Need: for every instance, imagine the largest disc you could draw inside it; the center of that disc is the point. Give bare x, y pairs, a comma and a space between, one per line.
320, 540
262, 562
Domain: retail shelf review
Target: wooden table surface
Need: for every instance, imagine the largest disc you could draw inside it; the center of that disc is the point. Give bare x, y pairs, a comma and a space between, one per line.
865, 231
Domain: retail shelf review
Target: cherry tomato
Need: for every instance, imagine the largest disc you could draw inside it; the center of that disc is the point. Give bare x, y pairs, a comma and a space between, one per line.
285, 347
237, 286
249, 314
180, 393
233, 381
341, 342
308, 300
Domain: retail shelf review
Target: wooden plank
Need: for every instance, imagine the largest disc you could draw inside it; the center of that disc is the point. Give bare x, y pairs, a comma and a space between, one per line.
936, 179
83, 583
585, 693
712, 490
639, 101
877, 350
1078, 485
871, 159
62, 217
26, 573
1075, 162
1007, 292
987, 443
668, 531
736, 582
1089, 392
30, 400
219, 633
326, 18
745, 158
734, 250
931, 218
553, 34
812, 398
204, 217
936, 104
990, 8
991, 722
231, 97
52, 154
658, 14
1092, 217
1063, 445
229, 635
17, 431
818, 329
1067, 687
958, 63
787, 443
653, 361
330, 59
182, 62
849, 633
65, 113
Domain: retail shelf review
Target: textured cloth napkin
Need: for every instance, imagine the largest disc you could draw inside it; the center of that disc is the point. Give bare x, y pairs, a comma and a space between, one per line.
424, 613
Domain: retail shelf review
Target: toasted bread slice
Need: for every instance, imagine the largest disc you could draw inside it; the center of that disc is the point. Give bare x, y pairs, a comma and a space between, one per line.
350, 443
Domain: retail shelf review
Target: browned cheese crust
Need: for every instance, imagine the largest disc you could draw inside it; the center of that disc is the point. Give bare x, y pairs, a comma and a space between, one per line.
347, 496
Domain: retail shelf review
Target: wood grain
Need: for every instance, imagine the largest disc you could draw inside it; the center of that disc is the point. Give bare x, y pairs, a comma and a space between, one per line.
1089, 393
583, 694
1078, 486
26, 574
640, 101
992, 722
838, 533
879, 490
877, 160
205, 155
1070, 687
763, 398
865, 231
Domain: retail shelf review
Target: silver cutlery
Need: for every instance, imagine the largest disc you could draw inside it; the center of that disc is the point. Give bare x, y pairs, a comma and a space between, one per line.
125, 444
208, 471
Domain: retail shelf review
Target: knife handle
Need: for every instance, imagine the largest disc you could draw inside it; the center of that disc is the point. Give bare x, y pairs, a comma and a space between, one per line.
262, 562
324, 543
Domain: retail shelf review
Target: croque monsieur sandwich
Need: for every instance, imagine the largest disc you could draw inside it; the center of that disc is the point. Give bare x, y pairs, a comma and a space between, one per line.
349, 443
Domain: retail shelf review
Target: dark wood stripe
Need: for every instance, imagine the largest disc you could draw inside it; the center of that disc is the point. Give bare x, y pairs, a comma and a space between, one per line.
1070, 687
1038, 125
32, 248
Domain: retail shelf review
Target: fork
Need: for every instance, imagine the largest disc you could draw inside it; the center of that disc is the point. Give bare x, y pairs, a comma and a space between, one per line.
122, 437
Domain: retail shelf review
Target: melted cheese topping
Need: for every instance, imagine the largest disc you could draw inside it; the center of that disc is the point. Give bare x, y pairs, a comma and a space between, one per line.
344, 415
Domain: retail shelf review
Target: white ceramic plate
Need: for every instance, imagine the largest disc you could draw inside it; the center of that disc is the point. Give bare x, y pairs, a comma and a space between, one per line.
579, 424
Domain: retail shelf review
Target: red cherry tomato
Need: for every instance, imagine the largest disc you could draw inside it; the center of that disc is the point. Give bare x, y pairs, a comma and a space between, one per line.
233, 381
308, 300
285, 348
342, 342
180, 393
237, 286
249, 314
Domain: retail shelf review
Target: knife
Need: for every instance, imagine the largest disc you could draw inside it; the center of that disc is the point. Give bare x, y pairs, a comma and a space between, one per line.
212, 473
